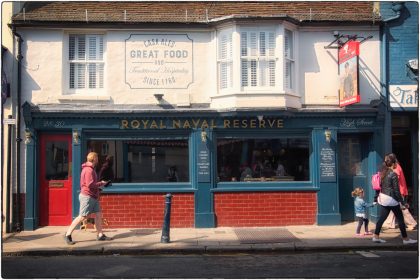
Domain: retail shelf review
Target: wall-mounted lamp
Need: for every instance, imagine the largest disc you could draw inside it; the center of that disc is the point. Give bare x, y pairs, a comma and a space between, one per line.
76, 137
413, 64
327, 135
413, 69
260, 117
203, 136
28, 136
159, 97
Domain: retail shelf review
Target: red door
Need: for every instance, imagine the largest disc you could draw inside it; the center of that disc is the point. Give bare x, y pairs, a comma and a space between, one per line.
55, 179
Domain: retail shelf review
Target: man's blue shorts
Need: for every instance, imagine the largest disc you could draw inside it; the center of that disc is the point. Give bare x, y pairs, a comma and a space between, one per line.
88, 205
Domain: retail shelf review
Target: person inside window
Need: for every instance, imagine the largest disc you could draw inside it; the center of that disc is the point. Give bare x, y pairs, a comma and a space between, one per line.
280, 171
246, 172
172, 174
107, 173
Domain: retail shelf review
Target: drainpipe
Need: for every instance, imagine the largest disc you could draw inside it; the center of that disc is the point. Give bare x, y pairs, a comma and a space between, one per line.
397, 8
9, 174
18, 122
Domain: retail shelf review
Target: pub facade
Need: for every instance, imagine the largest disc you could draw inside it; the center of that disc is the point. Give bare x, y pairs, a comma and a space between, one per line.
232, 107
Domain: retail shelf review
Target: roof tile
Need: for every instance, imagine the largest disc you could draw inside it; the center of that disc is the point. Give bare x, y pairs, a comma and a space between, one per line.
193, 11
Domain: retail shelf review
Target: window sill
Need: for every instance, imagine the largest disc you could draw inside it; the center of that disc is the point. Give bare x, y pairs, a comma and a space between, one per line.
84, 97
256, 92
265, 186
149, 188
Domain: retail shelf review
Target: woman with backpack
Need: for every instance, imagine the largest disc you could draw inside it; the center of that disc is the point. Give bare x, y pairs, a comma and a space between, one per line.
390, 199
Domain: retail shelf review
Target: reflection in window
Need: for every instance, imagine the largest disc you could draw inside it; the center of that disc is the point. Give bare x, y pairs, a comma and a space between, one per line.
145, 161
57, 160
280, 159
350, 159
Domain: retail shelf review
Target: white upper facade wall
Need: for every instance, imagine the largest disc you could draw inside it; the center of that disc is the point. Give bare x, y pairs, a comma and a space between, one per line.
183, 67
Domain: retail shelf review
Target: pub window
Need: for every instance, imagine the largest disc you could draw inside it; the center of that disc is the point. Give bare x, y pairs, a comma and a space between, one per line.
86, 61
263, 160
145, 161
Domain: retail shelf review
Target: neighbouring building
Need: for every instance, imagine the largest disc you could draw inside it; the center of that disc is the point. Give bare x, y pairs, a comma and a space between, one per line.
9, 131
248, 113
400, 54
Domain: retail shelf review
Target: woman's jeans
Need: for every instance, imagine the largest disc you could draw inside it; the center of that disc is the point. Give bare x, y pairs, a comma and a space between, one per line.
383, 214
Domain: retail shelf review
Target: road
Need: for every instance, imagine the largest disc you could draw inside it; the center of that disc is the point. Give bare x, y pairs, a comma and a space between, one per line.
352, 264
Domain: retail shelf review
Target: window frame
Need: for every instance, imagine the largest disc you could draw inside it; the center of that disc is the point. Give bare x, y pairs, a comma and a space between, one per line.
267, 186
258, 57
67, 62
292, 60
146, 187
280, 59
229, 59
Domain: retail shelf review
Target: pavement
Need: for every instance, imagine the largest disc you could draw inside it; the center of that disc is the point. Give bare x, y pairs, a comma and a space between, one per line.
50, 241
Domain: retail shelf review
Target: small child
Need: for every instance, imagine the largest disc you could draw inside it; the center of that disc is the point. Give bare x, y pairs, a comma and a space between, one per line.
360, 210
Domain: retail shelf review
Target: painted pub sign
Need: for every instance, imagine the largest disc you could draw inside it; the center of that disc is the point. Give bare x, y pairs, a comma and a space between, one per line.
158, 61
348, 59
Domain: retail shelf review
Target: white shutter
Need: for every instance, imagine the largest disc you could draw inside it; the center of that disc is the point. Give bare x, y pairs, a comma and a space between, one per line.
92, 48
253, 43
287, 74
244, 44
101, 48
92, 75
222, 46
225, 59
288, 63
80, 75
72, 76
288, 44
86, 66
272, 73
258, 58
244, 72
72, 47
81, 47
271, 44
263, 72
101, 75
253, 72
262, 45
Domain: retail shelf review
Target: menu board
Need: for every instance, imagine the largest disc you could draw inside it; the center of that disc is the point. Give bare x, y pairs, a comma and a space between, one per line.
203, 164
327, 163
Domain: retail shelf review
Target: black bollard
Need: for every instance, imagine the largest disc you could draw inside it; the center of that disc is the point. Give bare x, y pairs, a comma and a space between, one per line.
166, 220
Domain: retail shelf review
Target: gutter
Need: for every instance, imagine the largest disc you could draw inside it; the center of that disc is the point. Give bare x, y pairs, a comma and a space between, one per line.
18, 224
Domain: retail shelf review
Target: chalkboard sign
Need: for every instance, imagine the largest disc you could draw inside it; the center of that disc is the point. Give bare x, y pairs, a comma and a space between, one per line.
327, 163
203, 163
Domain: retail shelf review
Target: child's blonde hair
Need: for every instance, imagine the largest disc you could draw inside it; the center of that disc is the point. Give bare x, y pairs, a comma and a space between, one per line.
356, 192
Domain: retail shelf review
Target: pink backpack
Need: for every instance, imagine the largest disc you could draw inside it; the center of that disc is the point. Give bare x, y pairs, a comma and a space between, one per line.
376, 181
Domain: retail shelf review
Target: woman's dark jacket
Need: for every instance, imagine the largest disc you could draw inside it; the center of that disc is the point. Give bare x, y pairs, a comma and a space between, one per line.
106, 173
390, 186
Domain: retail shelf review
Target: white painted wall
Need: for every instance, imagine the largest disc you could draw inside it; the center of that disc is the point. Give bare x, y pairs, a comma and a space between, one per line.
45, 53
318, 67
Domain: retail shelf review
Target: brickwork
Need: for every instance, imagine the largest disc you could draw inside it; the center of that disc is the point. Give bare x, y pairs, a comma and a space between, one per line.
265, 209
146, 210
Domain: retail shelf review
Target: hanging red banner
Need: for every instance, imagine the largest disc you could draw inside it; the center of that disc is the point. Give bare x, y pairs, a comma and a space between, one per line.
348, 58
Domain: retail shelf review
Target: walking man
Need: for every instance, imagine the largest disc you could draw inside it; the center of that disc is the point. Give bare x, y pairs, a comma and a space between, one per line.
88, 198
